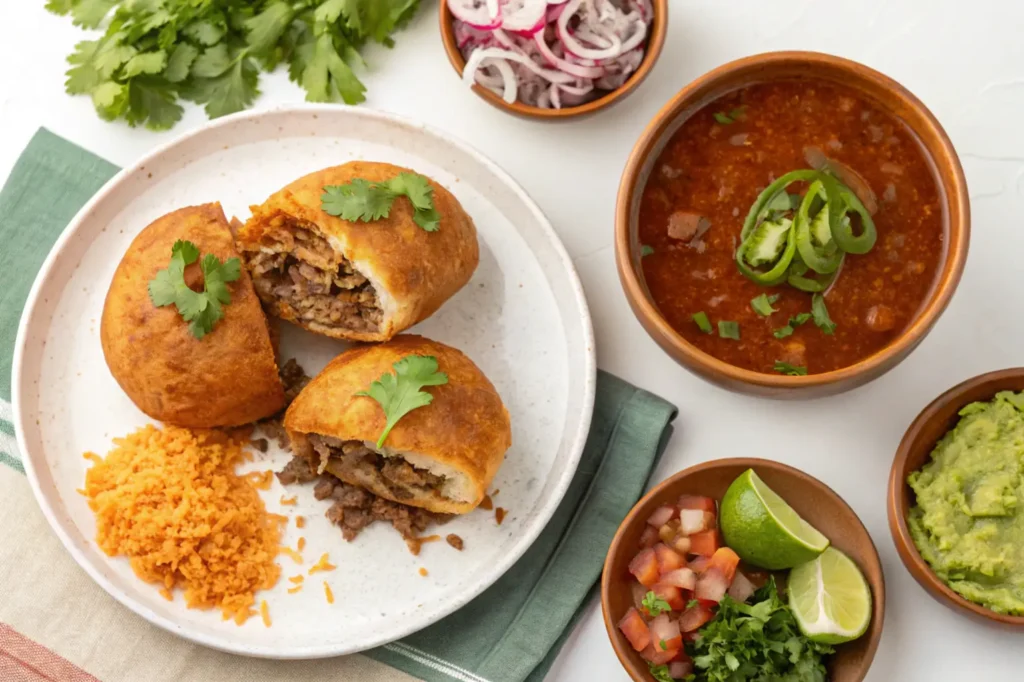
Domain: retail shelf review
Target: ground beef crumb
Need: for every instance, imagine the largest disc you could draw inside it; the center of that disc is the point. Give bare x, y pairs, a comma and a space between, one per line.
454, 540
294, 379
323, 489
297, 470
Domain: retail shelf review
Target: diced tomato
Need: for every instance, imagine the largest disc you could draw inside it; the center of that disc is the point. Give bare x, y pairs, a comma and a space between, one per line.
683, 578
697, 502
669, 531
635, 630
677, 670
741, 589
644, 567
726, 561
649, 537
704, 543
672, 594
668, 559
680, 543
711, 585
658, 656
695, 617
662, 515
699, 564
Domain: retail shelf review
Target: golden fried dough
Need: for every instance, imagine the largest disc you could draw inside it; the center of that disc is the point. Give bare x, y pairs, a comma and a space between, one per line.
363, 281
441, 457
227, 378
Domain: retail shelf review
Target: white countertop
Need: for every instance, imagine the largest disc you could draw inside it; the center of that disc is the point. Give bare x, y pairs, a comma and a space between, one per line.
965, 61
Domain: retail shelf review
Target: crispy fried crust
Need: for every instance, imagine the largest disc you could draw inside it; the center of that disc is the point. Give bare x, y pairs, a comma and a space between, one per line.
227, 378
465, 427
417, 270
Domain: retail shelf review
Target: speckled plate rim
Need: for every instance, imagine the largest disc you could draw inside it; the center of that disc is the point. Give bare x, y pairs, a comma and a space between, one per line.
34, 308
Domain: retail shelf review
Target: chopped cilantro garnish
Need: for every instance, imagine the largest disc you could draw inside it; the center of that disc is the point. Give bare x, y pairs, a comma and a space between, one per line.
702, 322
723, 118
757, 642
729, 330
654, 604
693, 602
762, 304
200, 309
794, 322
646, 250
399, 393
369, 201
789, 370
820, 314
660, 673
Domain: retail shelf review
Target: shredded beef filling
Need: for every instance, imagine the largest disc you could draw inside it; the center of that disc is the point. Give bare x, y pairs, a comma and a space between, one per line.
315, 291
401, 479
354, 508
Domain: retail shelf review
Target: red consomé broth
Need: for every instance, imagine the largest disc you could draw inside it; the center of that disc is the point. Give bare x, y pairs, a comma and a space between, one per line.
717, 170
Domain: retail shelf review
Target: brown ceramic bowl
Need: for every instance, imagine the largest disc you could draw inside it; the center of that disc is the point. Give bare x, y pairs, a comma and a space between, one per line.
883, 91
655, 41
811, 498
914, 452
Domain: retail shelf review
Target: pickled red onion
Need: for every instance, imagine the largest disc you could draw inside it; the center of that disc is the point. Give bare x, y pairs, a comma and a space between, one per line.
551, 53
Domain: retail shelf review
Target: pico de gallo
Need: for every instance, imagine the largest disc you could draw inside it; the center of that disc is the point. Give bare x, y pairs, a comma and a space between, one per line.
682, 572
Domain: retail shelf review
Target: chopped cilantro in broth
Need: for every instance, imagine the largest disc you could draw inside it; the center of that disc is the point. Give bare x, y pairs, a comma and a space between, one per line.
717, 169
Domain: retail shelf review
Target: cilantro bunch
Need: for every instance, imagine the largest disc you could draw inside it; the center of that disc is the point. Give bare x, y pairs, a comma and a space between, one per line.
756, 642
156, 52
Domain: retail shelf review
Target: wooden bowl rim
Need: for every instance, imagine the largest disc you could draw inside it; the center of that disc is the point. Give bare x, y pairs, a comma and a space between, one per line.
900, 492
943, 153
622, 652
655, 43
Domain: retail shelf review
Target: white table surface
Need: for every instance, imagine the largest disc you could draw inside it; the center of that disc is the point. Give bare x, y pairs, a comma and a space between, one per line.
964, 60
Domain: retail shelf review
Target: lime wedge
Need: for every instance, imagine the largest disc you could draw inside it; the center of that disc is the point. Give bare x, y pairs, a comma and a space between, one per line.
830, 598
764, 530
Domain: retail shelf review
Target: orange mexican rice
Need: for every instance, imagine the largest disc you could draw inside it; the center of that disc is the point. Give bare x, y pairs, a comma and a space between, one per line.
169, 500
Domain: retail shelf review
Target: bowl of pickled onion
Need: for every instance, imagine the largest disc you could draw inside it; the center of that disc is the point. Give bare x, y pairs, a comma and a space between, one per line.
553, 59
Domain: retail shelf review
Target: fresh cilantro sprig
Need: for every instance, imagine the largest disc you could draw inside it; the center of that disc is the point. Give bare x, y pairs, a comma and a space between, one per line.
660, 673
369, 201
200, 310
757, 642
654, 604
399, 393
155, 52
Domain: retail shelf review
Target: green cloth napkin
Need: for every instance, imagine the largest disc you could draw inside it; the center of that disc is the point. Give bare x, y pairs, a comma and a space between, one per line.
510, 633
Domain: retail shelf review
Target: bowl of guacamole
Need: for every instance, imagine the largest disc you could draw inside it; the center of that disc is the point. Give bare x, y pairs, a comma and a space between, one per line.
956, 497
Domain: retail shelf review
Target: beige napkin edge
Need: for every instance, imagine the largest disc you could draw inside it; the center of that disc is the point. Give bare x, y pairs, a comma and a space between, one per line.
46, 597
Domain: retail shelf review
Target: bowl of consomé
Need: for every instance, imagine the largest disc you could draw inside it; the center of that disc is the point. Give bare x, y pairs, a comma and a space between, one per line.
791, 225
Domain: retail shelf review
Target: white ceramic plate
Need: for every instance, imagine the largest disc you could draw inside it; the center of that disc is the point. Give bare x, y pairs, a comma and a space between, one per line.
523, 319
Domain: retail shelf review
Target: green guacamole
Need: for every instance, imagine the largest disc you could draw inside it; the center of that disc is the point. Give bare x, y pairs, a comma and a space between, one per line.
968, 523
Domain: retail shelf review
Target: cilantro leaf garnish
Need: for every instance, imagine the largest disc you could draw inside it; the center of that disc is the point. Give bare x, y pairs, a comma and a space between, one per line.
646, 250
399, 393
369, 201
762, 304
794, 322
203, 309
789, 370
655, 604
723, 118
820, 314
660, 673
155, 52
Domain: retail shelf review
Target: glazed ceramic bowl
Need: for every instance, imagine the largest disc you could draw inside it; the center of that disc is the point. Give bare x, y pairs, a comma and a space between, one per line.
655, 42
812, 499
885, 93
913, 453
